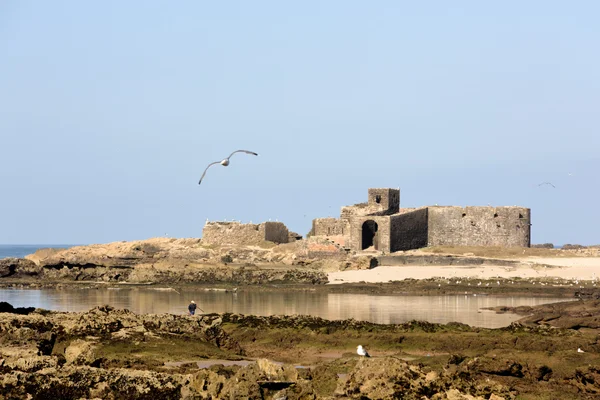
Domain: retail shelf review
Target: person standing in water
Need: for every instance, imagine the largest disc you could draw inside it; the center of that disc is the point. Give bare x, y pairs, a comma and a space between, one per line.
192, 307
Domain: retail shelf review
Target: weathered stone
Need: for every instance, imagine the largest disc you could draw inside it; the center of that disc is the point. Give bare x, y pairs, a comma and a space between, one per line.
381, 225
18, 267
236, 233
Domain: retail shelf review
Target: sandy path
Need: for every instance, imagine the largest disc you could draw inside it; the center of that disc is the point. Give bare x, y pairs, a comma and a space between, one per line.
571, 268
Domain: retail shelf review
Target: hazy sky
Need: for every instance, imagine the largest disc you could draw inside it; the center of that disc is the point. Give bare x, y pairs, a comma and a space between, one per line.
110, 111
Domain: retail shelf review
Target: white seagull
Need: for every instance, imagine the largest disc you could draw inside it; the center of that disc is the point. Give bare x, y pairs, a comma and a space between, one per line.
225, 162
361, 351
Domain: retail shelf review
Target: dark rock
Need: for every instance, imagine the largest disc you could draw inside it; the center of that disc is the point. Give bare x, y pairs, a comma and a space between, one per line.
542, 246
8, 308
572, 247
18, 267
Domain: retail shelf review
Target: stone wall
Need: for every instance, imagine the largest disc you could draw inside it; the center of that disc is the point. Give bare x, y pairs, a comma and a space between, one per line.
479, 226
386, 200
330, 227
409, 230
236, 233
383, 232
275, 232
357, 210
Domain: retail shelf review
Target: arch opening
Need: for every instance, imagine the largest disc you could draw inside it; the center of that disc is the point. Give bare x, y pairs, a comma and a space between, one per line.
369, 235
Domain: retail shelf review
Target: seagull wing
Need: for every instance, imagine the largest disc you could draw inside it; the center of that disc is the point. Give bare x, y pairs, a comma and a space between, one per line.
243, 151
202, 177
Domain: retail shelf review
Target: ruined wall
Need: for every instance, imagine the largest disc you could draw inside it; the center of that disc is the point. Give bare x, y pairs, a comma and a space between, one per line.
408, 230
330, 227
275, 232
355, 241
236, 233
357, 210
479, 226
386, 200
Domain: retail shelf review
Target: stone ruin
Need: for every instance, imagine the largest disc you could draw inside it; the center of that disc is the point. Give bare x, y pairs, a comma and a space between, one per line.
237, 233
380, 224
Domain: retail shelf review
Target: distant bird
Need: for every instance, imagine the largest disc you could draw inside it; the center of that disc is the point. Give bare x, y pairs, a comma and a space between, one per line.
225, 162
579, 350
547, 183
361, 351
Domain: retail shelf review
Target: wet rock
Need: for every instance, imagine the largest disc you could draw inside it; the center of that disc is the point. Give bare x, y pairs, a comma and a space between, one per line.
567, 315
76, 382
8, 308
385, 378
80, 352
587, 380
28, 363
500, 367
18, 268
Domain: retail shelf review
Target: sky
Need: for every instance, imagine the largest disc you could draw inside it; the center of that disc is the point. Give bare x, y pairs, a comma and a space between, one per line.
111, 110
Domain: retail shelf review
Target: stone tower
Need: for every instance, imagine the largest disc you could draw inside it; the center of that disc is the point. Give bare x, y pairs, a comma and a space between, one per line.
385, 201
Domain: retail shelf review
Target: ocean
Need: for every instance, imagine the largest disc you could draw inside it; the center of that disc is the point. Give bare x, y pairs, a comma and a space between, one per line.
21, 250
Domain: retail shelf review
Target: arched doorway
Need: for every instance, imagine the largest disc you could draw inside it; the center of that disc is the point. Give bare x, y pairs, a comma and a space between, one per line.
369, 235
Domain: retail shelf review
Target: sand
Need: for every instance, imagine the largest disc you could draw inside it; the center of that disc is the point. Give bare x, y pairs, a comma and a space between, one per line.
576, 268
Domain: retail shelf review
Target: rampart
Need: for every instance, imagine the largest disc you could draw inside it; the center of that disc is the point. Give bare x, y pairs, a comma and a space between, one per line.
479, 226
236, 233
409, 230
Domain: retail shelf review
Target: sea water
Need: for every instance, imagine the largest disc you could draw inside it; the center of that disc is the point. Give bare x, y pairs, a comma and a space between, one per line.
21, 250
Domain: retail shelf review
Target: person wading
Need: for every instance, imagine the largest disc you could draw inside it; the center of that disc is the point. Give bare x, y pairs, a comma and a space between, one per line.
192, 307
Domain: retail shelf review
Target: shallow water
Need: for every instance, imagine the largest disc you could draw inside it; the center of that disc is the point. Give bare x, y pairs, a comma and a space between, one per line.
374, 308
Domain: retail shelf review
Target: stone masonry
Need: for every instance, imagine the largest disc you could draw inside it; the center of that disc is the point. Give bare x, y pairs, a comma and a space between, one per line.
236, 233
380, 224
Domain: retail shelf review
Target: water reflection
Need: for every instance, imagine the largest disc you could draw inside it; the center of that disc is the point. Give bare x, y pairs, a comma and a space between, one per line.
374, 308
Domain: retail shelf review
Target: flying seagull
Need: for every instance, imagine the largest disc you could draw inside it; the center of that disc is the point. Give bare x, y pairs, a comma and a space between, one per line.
225, 162
547, 183
361, 351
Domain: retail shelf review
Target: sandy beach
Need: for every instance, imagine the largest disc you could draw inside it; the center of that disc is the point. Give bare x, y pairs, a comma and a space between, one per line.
576, 268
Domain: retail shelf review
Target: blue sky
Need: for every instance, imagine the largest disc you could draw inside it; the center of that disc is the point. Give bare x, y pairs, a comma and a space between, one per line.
109, 112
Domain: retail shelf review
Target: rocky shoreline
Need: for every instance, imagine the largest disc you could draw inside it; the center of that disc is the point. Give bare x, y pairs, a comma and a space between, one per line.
111, 353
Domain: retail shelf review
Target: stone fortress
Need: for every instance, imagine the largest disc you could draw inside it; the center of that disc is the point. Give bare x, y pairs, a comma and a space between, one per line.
381, 225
